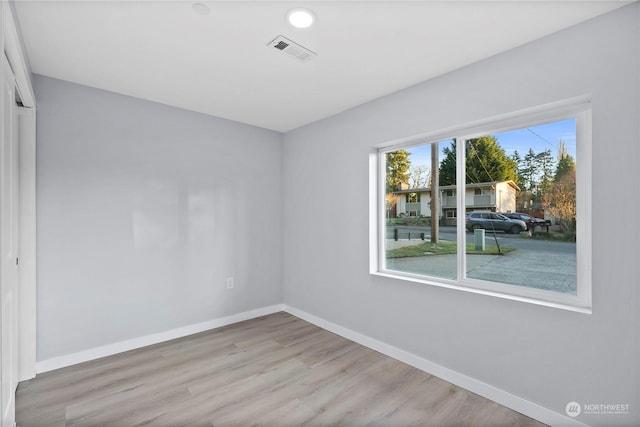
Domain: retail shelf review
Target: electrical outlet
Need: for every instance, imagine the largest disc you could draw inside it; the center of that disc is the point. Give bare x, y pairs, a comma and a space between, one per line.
230, 283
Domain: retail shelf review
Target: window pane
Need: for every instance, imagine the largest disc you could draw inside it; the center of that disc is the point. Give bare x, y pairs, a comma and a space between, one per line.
528, 171
413, 243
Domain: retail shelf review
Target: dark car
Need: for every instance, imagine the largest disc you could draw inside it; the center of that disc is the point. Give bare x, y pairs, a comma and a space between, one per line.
493, 221
531, 221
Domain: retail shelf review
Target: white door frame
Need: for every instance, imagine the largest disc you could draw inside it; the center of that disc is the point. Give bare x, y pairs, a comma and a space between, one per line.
12, 48
27, 245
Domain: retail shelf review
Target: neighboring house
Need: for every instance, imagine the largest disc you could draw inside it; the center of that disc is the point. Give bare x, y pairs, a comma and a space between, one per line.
497, 196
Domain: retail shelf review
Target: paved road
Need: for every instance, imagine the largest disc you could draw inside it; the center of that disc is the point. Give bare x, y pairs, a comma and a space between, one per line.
535, 263
511, 240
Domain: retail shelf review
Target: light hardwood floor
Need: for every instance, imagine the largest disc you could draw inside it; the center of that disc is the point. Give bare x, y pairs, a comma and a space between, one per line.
275, 370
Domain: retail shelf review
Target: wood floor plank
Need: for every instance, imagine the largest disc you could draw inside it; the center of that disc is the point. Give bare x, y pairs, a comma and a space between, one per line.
293, 413
121, 408
275, 370
209, 404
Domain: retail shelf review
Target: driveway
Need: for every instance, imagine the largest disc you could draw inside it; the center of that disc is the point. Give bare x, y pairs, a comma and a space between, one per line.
534, 263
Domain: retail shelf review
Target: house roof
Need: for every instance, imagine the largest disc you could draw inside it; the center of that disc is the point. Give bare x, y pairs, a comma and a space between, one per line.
509, 182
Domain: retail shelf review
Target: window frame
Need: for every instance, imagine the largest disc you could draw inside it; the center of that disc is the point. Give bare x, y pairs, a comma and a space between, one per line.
577, 108
408, 197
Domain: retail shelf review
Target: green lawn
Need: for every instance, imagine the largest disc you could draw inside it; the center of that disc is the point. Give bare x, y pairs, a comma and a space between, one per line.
442, 248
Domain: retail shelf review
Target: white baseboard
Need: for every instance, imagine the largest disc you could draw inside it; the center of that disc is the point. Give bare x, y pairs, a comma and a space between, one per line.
134, 343
502, 397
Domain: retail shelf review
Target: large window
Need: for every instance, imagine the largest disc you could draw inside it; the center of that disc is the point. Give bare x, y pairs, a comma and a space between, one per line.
504, 208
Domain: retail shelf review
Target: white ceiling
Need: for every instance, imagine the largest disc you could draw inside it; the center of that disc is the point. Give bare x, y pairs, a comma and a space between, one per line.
219, 63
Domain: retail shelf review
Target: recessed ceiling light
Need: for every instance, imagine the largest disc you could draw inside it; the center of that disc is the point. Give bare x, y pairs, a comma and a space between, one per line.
200, 8
301, 18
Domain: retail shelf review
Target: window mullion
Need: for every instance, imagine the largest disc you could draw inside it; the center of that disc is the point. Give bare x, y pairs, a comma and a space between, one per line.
460, 207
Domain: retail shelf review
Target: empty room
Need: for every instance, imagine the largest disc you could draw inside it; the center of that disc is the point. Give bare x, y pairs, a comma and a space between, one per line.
279, 213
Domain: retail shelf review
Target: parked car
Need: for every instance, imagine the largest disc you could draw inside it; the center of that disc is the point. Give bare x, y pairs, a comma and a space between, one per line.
531, 221
493, 221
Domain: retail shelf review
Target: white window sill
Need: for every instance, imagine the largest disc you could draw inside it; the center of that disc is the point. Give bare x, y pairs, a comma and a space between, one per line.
444, 283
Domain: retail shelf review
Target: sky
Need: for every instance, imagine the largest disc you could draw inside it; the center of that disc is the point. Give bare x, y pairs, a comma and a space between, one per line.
539, 138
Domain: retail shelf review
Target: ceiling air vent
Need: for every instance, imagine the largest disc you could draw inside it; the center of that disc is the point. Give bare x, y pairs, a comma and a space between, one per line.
291, 48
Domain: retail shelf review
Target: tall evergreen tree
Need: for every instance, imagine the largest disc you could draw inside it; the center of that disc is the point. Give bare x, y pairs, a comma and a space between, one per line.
448, 165
517, 159
545, 165
565, 162
486, 161
528, 170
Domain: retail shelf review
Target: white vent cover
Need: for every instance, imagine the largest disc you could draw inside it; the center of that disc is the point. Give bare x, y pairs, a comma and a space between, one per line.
291, 48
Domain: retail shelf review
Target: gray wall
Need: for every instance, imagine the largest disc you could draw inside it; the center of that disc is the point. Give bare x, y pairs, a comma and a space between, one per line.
143, 212
548, 356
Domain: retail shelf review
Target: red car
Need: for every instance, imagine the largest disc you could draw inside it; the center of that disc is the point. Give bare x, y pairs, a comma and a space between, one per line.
531, 221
